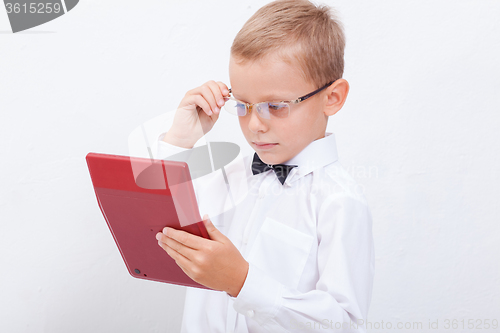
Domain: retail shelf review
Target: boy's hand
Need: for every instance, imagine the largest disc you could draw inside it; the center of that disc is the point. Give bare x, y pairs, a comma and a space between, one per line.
215, 263
197, 114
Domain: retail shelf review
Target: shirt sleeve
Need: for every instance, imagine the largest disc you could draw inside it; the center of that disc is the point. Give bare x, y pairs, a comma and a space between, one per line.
166, 149
204, 186
342, 294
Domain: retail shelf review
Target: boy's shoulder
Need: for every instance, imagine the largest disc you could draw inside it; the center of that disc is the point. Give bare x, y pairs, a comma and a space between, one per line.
329, 180
324, 173
338, 181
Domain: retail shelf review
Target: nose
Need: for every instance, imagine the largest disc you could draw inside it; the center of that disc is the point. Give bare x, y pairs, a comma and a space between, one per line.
256, 124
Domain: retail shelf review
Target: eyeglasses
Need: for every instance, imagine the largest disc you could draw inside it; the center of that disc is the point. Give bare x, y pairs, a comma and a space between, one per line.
266, 110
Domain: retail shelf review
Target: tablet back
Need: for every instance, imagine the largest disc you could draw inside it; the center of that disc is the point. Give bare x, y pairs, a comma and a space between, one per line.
136, 207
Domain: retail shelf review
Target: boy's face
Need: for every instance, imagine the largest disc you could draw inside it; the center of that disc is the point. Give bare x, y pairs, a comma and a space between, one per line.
272, 80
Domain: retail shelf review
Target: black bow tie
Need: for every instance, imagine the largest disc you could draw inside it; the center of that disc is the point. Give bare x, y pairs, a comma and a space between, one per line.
281, 170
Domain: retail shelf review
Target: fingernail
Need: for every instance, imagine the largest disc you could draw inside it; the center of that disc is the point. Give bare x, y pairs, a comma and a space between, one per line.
221, 102
216, 110
209, 112
226, 91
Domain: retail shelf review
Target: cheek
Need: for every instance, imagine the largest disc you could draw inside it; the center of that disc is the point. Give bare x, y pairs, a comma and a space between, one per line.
242, 122
288, 132
295, 132
309, 119
243, 125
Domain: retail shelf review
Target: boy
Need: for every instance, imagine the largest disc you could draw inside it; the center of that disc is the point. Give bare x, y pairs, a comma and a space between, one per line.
297, 252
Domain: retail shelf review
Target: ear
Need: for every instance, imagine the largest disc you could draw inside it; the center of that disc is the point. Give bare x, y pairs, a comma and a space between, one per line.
336, 94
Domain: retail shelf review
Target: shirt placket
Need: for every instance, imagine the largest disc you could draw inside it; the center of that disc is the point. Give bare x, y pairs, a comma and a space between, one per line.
256, 209
231, 313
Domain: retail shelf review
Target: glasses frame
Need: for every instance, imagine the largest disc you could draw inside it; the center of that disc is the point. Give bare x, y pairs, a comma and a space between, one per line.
249, 106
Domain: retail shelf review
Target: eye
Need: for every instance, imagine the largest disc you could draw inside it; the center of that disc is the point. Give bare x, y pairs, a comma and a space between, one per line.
277, 106
240, 109
279, 110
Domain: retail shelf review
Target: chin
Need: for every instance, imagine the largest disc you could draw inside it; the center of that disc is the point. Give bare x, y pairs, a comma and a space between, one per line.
269, 158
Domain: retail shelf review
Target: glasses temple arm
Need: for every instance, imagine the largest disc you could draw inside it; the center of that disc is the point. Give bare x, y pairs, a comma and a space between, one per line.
303, 98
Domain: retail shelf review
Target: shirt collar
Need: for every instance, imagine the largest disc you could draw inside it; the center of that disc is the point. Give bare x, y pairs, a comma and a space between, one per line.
317, 154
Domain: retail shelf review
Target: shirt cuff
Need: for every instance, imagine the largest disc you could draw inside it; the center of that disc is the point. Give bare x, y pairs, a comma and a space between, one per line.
166, 149
260, 296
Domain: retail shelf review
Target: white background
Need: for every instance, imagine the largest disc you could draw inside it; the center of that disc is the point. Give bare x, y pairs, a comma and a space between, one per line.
419, 132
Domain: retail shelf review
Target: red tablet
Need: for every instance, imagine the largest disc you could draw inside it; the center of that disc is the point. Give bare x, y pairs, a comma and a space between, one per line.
138, 197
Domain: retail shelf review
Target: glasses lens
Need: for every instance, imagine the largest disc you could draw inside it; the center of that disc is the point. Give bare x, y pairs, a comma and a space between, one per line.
262, 110
278, 110
273, 110
234, 107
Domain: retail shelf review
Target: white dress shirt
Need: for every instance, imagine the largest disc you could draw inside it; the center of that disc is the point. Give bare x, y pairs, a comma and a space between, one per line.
308, 242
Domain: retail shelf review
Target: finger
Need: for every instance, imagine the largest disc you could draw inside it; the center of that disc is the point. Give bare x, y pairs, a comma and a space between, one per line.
187, 265
200, 102
203, 104
224, 89
195, 97
182, 237
207, 93
180, 260
184, 250
216, 91
213, 232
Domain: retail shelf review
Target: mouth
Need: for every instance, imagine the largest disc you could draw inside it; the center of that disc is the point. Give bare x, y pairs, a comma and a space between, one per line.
263, 145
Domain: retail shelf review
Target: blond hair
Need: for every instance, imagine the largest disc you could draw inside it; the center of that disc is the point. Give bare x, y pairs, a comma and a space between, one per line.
295, 30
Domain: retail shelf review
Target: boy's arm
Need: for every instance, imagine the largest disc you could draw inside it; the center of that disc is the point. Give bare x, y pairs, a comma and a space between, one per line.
342, 295
195, 116
166, 149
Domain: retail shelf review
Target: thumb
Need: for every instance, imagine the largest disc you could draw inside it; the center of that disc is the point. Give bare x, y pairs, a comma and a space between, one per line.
213, 232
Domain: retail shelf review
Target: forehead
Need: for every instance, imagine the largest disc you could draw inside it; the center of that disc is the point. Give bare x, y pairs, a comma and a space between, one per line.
266, 79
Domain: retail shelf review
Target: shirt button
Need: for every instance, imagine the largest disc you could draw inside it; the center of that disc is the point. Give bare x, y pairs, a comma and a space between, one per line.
250, 313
